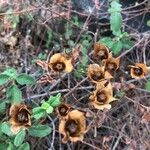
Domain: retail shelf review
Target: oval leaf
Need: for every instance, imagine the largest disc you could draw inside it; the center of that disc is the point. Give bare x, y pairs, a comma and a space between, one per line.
39, 131
25, 79
38, 112
4, 79
24, 146
5, 128
19, 138
116, 47
14, 95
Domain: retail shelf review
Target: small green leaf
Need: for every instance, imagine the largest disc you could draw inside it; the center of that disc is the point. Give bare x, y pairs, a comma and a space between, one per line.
45, 105
54, 101
24, 146
5, 128
39, 130
11, 72
148, 23
14, 95
116, 47
107, 41
49, 110
19, 138
4, 78
115, 18
10, 146
38, 112
126, 43
2, 106
3, 146
147, 86
25, 79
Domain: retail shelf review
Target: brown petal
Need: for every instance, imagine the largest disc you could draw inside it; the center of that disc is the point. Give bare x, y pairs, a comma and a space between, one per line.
59, 62
95, 73
101, 51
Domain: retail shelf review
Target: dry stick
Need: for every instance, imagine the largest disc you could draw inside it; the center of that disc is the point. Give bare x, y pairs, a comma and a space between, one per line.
119, 137
94, 147
75, 87
19, 12
53, 134
126, 52
147, 108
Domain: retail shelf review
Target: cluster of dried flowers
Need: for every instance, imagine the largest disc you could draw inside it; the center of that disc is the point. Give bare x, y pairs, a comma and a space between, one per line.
72, 123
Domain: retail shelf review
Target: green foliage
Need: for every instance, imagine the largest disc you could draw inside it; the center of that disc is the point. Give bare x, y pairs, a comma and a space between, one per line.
24, 146
2, 106
19, 138
54, 101
4, 79
38, 112
11, 72
147, 86
148, 23
24, 79
5, 128
115, 18
46, 107
121, 40
14, 94
39, 130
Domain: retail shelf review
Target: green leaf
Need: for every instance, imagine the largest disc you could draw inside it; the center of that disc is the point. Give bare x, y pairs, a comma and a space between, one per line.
5, 128
39, 130
2, 106
19, 138
49, 110
54, 101
148, 23
115, 18
24, 146
147, 86
3, 146
25, 79
4, 79
10, 146
11, 72
14, 95
116, 47
38, 112
126, 43
45, 105
107, 41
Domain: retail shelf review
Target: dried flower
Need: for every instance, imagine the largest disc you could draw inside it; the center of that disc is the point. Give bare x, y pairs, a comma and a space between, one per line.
111, 64
102, 96
101, 51
138, 71
60, 62
73, 127
97, 73
20, 117
63, 110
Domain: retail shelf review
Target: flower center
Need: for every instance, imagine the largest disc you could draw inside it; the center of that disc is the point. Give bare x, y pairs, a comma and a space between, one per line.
111, 66
72, 127
101, 97
59, 66
138, 71
63, 110
22, 116
97, 76
103, 54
